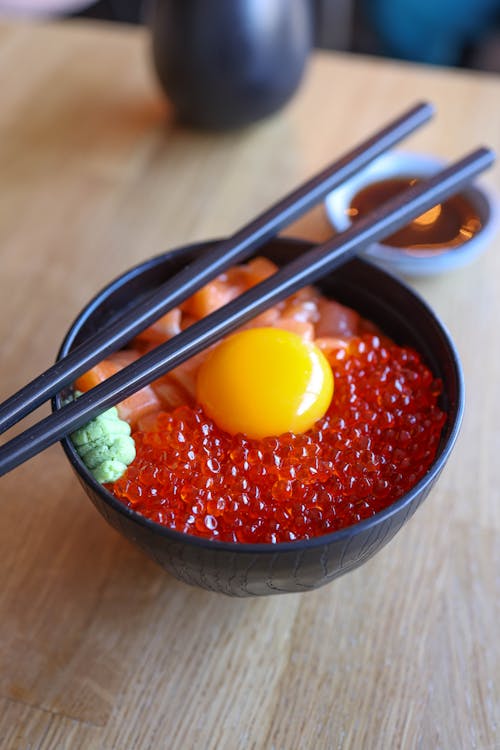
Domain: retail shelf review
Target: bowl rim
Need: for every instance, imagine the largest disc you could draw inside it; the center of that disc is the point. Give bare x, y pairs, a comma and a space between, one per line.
243, 547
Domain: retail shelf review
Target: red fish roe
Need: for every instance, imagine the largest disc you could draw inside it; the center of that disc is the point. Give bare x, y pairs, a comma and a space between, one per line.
378, 438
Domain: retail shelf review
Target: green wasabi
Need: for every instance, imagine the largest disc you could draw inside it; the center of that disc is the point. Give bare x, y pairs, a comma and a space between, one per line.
105, 446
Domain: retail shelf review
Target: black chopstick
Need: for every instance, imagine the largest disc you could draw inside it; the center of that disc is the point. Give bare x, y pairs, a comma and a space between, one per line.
305, 269
201, 271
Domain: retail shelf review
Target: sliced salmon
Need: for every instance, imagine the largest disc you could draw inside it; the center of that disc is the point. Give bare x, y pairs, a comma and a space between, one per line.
165, 328
330, 345
227, 286
133, 407
336, 320
171, 391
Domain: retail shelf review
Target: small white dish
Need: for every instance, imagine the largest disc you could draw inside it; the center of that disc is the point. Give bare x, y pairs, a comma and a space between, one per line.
405, 260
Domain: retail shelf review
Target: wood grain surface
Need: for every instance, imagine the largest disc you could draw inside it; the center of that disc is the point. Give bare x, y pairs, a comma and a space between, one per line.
101, 650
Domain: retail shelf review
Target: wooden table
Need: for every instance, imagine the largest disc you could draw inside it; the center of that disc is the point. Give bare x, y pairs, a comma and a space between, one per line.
99, 648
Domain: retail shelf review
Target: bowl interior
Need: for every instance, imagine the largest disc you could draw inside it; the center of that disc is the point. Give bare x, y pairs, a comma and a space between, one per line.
396, 309
261, 569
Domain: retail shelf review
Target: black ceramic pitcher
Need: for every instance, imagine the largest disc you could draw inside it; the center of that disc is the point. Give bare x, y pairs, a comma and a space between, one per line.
227, 63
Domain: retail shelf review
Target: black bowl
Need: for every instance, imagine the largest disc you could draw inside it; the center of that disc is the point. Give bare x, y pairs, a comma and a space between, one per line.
258, 569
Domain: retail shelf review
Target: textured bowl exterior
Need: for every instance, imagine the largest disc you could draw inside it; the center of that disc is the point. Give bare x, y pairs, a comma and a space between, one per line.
260, 569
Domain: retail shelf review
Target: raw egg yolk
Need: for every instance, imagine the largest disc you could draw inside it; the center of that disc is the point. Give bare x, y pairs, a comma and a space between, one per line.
263, 382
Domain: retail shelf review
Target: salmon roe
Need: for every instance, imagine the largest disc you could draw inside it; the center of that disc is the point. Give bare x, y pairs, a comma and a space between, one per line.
377, 439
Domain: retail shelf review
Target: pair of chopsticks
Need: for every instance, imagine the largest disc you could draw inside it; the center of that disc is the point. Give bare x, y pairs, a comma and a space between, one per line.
305, 269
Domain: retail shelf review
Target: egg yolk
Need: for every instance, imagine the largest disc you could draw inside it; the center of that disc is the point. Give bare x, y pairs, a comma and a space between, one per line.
264, 382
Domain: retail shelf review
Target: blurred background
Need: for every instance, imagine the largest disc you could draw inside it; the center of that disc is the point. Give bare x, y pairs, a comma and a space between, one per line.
461, 33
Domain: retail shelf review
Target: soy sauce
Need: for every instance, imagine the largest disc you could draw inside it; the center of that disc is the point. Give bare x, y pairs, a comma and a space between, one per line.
447, 225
